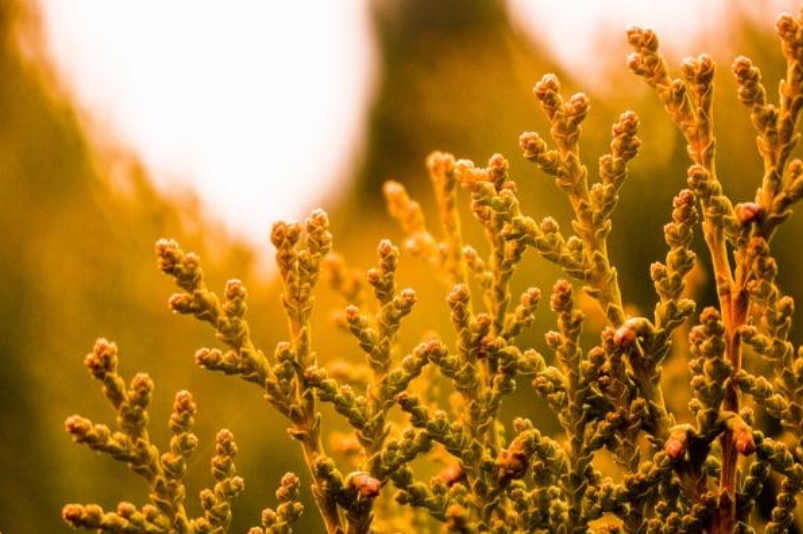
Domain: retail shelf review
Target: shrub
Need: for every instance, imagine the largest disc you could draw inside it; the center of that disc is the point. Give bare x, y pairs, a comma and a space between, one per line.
703, 475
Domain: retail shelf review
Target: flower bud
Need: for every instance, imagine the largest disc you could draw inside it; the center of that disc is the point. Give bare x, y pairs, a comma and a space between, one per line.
366, 486
675, 446
749, 212
512, 464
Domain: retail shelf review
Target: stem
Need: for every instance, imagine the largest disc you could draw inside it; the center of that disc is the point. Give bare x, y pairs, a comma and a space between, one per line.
602, 278
610, 294
326, 504
702, 145
579, 457
311, 442
734, 314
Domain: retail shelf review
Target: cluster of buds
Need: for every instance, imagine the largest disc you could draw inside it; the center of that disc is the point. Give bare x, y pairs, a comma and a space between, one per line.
604, 397
163, 473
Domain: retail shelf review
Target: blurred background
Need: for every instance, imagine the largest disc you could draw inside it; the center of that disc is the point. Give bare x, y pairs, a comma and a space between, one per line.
122, 122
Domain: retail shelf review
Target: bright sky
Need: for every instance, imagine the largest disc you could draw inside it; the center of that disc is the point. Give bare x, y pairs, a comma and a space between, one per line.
260, 105
577, 32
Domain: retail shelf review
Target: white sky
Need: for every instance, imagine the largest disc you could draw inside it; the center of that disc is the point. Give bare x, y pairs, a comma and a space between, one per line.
578, 32
260, 105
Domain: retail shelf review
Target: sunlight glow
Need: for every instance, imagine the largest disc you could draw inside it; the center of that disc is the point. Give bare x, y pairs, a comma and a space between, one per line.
259, 106
578, 32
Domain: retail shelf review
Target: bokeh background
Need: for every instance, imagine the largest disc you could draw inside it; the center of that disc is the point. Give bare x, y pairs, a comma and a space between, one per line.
122, 122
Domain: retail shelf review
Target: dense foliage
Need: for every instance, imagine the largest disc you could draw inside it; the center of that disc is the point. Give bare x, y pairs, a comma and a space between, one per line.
626, 461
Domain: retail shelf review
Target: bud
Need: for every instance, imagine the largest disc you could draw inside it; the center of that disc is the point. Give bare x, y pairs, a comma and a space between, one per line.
387, 248
458, 295
578, 106
317, 219
452, 474
688, 68
440, 163
366, 486
406, 299
635, 63
168, 255
742, 435
675, 446
103, 359
749, 212
786, 26
498, 170
512, 464
658, 271
181, 303
224, 443
561, 299
235, 289
78, 427
549, 225
742, 68
532, 145
208, 358
548, 84
624, 336
698, 178
629, 332
553, 339
183, 402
